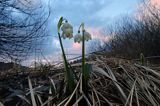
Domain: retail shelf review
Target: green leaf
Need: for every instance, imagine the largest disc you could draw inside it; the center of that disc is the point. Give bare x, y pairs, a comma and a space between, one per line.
142, 59
88, 68
59, 24
70, 80
85, 78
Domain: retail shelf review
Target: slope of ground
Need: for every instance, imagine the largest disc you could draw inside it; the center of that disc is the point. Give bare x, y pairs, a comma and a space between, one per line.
113, 82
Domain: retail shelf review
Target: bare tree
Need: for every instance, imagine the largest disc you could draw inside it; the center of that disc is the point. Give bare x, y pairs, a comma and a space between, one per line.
22, 23
132, 36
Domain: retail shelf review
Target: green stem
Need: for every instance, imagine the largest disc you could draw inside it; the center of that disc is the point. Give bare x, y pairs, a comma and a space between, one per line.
68, 74
63, 53
84, 70
83, 54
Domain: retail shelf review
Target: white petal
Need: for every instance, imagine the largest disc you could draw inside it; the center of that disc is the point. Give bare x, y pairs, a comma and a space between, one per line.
66, 26
87, 36
63, 36
78, 38
68, 33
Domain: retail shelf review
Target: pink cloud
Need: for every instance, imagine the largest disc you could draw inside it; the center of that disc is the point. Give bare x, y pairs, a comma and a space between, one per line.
155, 2
74, 50
76, 46
143, 11
97, 33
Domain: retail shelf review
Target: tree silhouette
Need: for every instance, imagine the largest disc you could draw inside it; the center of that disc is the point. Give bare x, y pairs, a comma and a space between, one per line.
22, 23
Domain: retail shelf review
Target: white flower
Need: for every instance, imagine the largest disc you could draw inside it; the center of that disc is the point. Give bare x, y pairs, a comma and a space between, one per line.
67, 30
78, 37
66, 25
87, 36
67, 33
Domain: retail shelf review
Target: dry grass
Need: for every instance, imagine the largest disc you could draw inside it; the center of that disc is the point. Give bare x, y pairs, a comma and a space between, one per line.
113, 82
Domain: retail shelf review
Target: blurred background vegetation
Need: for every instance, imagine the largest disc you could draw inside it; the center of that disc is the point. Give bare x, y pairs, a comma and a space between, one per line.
130, 36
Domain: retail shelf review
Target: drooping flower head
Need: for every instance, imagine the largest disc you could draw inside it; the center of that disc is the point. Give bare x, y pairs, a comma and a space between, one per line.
67, 30
78, 37
65, 27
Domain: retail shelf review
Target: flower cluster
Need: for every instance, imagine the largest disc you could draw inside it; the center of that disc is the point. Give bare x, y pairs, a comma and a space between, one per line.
82, 35
67, 32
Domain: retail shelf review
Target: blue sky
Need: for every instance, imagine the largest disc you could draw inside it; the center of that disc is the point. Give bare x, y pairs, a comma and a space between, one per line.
96, 14
92, 12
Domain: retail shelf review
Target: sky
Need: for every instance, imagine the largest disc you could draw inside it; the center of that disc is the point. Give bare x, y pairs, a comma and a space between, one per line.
96, 14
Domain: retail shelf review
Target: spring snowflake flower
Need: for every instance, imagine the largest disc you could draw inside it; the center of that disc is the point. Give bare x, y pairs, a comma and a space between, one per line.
67, 30
78, 37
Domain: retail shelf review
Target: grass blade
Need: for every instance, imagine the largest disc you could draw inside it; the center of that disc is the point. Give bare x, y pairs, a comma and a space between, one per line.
54, 85
114, 81
23, 98
131, 94
77, 101
49, 98
73, 91
1, 104
32, 93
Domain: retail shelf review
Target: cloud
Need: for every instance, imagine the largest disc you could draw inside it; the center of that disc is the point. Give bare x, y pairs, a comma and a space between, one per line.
96, 14
52, 58
155, 2
98, 33
56, 43
76, 46
143, 10
78, 10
